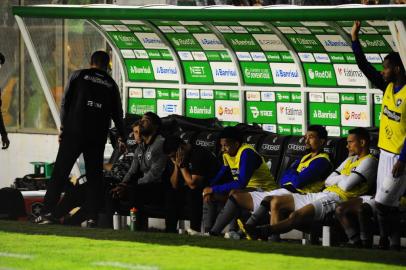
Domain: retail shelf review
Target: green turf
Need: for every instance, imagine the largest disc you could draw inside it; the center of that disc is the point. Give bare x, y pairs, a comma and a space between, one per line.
57, 247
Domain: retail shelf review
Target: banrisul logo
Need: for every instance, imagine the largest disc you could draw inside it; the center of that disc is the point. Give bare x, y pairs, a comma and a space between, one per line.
304, 41
285, 73
334, 43
150, 40
242, 42
165, 70
325, 115
224, 72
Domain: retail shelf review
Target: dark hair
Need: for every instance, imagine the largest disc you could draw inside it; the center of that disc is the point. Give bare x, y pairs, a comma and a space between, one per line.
361, 133
100, 59
155, 119
320, 130
232, 133
171, 144
2, 59
135, 124
394, 59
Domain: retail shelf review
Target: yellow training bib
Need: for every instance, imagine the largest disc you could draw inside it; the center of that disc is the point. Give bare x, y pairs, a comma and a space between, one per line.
392, 131
261, 178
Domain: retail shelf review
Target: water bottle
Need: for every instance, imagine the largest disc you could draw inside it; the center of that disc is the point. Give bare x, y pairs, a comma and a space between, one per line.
116, 221
269, 164
133, 219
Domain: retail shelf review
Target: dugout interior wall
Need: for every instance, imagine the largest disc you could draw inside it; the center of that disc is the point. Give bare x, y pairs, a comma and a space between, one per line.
281, 67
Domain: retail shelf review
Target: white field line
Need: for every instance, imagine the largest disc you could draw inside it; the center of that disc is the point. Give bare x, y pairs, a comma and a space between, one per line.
126, 265
16, 255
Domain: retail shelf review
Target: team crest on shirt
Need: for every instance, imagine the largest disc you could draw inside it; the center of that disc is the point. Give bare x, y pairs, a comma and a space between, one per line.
148, 155
398, 102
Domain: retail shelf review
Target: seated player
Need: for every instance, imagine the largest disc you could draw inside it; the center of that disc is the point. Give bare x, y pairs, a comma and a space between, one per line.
192, 167
248, 171
306, 174
353, 178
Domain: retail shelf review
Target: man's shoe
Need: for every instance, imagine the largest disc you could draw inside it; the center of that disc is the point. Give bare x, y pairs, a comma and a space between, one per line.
90, 223
45, 219
192, 232
233, 235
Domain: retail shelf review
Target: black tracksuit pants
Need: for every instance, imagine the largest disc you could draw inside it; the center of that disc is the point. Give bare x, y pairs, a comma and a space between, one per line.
69, 150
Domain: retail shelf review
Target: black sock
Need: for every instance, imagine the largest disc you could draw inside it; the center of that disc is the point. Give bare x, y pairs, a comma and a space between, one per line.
230, 211
365, 219
259, 214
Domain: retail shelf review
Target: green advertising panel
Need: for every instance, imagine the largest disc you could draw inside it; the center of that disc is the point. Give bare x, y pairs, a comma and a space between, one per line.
221, 95
184, 42
374, 44
283, 96
242, 42
260, 112
327, 114
197, 72
305, 43
256, 73
200, 108
141, 105
319, 74
125, 40
139, 70
284, 129
297, 130
347, 98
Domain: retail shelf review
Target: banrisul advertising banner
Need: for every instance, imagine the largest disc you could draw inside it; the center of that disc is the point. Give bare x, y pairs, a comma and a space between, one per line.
326, 114
242, 42
140, 70
200, 108
203, 56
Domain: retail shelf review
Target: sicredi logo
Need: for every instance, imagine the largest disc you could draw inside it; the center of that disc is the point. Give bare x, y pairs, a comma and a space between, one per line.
209, 41
334, 43
355, 115
349, 75
285, 73
270, 42
317, 74
165, 70
150, 40
256, 112
224, 72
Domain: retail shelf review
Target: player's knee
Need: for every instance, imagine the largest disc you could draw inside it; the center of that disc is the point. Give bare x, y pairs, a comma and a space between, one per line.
276, 203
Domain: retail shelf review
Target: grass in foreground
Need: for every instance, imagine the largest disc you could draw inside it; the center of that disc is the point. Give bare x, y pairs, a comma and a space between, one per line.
28, 246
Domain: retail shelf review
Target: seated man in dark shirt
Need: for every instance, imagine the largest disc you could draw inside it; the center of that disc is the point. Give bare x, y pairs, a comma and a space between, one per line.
192, 167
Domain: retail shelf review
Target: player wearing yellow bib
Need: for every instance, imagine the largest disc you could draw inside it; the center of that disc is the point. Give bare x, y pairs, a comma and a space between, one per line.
351, 179
306, 174
391, 180
247, 168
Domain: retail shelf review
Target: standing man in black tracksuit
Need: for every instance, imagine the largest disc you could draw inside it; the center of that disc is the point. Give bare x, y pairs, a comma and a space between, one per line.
4, 139
91, 99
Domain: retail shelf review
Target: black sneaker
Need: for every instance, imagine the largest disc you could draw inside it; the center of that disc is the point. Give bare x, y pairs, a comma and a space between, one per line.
91, 223
45, 219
